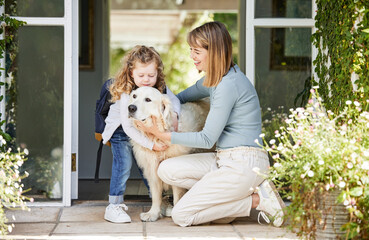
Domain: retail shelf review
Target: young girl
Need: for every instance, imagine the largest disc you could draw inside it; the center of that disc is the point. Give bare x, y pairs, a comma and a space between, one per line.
142, 66
220, 186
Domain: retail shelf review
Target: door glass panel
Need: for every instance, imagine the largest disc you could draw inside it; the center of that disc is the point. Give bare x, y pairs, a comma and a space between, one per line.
283, 9
282, 65
35, 8
35, 108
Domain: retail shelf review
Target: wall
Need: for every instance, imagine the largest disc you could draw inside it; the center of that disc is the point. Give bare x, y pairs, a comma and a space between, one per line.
90, 82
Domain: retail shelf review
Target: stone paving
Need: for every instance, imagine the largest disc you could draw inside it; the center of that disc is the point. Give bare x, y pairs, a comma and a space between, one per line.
84, 220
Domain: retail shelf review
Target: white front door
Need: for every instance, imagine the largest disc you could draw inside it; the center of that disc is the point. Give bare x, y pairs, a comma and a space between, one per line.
279, 52
43, 106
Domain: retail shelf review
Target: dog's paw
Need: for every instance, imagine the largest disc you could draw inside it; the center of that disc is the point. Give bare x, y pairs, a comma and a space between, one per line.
149, 216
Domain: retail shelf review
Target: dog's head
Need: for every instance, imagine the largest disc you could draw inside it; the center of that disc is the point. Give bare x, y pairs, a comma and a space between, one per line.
145, 102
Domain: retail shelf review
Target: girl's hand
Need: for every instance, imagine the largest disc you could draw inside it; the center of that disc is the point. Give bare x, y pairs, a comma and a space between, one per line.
175, 122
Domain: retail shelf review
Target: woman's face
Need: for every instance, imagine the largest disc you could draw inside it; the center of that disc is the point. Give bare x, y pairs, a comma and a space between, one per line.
145, 74
200, 57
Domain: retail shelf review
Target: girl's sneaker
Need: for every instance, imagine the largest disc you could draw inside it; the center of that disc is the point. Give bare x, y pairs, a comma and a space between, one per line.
271, 203
115, 213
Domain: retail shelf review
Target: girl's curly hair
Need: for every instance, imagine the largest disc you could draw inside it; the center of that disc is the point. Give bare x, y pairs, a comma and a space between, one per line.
124, 83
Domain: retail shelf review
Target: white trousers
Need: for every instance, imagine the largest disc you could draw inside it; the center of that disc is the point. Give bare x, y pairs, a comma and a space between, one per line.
219, 184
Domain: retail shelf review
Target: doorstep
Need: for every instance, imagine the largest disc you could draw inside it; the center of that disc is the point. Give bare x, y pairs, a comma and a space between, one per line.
85, 220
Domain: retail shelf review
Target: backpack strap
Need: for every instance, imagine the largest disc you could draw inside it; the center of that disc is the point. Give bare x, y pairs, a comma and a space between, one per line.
98, 161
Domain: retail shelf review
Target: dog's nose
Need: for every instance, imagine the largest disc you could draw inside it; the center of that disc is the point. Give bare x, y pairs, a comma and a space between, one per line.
132, 108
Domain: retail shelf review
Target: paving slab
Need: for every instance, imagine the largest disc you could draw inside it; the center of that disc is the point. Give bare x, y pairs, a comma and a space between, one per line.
98, 228
170, 227
33, 229
193, 235
36, 214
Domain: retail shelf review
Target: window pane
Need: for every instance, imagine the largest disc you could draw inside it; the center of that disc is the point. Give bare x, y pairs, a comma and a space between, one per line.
282, 65
283, 9
35, 8
35, 108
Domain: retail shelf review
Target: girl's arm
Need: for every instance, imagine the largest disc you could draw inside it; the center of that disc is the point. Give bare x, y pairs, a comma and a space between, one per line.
112, 122
175, 101
176, 107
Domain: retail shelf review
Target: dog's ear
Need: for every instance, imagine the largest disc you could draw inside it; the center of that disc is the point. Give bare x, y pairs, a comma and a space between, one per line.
166, 110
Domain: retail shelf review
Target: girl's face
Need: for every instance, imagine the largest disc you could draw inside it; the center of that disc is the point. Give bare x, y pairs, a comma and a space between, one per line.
200, 57
145, 74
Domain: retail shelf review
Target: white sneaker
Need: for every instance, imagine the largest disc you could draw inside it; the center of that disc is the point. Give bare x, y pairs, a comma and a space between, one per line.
115, 213
270, 204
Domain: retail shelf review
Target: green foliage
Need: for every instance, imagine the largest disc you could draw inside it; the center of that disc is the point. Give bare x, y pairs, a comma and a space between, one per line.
317, 153
342, 40
11, 188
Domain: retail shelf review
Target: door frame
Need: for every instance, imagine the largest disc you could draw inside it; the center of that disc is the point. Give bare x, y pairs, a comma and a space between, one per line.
70, 129
251, 23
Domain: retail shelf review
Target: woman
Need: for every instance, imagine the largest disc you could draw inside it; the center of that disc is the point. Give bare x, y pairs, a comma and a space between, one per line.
220, 185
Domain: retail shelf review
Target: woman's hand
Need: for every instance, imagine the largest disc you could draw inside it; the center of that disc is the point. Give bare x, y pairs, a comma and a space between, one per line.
154, 130
159, 147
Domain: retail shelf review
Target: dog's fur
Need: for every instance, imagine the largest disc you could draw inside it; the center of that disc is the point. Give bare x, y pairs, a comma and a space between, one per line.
146, 102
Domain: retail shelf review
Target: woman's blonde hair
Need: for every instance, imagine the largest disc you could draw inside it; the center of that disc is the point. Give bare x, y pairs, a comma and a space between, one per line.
214, 37
124, 83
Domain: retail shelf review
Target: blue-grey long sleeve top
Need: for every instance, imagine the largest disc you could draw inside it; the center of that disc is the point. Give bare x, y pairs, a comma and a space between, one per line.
234, 118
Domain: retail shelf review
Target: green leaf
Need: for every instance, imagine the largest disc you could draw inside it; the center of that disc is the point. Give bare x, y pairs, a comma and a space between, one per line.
359, 214
366, 30
356, 192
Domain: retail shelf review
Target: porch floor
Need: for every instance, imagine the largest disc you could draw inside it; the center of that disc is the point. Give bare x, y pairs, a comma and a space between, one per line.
84, 220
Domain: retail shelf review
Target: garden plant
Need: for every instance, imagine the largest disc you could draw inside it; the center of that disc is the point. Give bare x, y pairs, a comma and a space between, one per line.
11, 187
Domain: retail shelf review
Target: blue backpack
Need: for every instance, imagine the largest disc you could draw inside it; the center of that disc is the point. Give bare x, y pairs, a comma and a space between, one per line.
101, 112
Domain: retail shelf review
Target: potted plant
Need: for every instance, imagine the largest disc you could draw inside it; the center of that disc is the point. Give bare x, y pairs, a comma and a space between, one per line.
317, 155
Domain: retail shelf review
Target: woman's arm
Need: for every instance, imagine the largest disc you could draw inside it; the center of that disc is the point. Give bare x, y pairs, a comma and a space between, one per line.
220, 109
193, 93
222, 102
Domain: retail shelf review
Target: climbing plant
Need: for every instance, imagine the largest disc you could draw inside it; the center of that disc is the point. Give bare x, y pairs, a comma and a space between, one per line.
11, 188
342, 40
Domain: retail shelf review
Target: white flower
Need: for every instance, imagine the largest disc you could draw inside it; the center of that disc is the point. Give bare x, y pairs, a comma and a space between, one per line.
320, 162
315, 87
277, 135
310, 173
348, 102
276, 156
262, 135
302, 176
366, 153
272, 141
26, 151
350, 165
277, 165
365, 165
342, 184
356, 103
346, 202
256, 141
327, 187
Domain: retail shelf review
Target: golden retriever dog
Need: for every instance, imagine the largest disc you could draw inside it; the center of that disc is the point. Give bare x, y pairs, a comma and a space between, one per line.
144, 103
